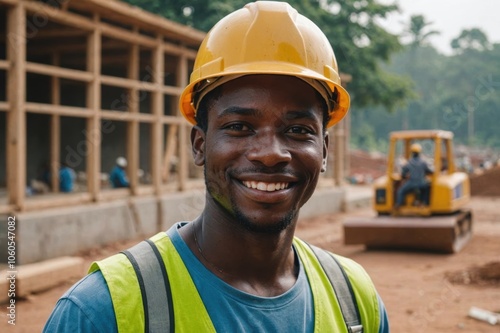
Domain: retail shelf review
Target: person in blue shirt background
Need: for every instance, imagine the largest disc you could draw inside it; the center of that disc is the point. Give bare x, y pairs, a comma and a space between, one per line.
118, 176
67, 178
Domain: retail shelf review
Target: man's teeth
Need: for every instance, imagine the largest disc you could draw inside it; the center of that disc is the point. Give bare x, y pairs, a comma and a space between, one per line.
269, 187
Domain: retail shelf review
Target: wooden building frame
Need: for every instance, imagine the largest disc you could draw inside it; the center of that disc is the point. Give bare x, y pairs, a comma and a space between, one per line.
100, 26
94, 20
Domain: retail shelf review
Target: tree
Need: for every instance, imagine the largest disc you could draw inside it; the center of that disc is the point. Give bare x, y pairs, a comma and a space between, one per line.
361, 45
416, 61
473, 39
417, 31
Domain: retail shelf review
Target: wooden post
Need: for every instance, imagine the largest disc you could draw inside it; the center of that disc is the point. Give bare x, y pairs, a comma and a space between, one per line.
16, 117
347, 140
338, 131
133, 125
55, 130
93, 133
182, 77
171, 143
157, 104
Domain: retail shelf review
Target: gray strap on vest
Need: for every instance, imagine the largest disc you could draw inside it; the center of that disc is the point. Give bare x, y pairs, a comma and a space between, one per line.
155, 287
343, 289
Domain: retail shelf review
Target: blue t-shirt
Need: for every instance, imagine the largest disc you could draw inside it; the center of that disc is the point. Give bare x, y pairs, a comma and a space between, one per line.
87, 306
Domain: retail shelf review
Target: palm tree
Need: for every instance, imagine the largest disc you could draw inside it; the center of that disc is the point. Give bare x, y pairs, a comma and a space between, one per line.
417, 31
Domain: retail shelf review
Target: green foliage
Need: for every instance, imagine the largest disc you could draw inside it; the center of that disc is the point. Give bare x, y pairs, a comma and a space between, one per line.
361, 45
460, 93
470, 39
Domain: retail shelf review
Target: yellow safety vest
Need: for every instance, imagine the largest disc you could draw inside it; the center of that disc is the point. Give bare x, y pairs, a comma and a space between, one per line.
125, 289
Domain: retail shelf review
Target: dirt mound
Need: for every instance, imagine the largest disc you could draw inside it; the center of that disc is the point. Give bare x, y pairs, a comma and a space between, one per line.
487, 274
365, 166
487, 183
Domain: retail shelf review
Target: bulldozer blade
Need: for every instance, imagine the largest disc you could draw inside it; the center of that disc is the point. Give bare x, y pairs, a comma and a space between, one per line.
444, 234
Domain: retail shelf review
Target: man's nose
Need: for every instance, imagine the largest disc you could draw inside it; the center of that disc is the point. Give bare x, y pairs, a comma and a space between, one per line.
269, 149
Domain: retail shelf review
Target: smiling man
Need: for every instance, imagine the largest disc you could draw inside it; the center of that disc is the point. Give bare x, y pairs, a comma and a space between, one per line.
264, 89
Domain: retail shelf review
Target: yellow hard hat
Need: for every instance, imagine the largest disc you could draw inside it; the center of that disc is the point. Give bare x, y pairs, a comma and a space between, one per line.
416, 148
266, 37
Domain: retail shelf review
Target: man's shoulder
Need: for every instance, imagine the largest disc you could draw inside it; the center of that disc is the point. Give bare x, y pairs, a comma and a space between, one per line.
91, 289
85, 307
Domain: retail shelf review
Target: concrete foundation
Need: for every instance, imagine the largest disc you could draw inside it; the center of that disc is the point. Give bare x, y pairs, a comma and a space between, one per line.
59, 232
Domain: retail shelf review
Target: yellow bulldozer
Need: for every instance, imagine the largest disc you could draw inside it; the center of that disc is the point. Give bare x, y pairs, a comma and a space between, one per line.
443, 223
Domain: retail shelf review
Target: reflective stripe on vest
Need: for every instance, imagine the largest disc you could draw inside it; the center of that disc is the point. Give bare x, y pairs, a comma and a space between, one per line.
342, 287
186, 300
155, 287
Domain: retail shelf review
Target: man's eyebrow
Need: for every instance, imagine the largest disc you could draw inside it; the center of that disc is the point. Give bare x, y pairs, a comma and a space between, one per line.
301, 114
236, 110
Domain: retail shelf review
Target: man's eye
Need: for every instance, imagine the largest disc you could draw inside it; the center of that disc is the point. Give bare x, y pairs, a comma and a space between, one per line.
299, 130
237, 127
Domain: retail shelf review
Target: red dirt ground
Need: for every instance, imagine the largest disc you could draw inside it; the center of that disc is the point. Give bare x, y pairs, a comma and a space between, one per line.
423, 292
486, 183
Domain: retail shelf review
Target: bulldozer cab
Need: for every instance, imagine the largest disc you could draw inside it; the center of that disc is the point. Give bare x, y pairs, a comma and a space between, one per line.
447, 190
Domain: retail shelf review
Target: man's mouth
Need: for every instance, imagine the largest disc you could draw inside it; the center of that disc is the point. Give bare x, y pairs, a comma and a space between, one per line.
267, 187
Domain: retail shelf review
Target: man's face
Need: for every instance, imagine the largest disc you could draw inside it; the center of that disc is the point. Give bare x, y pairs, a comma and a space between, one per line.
263, 150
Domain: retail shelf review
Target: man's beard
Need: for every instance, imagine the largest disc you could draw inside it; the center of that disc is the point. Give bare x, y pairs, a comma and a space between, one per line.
270, 229
246, 222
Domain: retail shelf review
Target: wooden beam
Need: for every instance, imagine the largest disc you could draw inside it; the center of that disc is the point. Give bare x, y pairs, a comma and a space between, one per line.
59, 16
9, 2
338, 141
170, 144
94, 104
182, 77
121, 34
73, 111
176, 50
16, 94
175, 91
6, 209
80, 22
133, 125
127, 116
55, 129
157, 102
66, 73
61, 110
77, 49
60, 33
145, 20
130, 14
140, 85
4, 106
4, 64
128, 83
61, 200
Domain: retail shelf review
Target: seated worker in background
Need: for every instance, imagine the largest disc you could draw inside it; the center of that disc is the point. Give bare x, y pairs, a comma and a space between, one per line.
118, 177
67, 178
414, 172
264, 90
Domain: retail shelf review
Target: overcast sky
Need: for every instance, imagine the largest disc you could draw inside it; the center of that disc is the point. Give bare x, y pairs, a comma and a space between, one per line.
449, 17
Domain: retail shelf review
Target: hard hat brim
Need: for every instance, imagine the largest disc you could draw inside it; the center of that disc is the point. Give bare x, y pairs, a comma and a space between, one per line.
275, 68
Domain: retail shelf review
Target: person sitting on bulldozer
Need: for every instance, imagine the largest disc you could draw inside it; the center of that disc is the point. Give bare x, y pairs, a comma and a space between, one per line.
414, 173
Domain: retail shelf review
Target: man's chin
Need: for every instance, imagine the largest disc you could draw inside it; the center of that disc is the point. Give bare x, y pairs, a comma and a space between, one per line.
268, 227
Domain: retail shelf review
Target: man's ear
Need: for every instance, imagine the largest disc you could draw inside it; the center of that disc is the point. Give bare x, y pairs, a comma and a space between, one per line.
326, 142
198, 145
